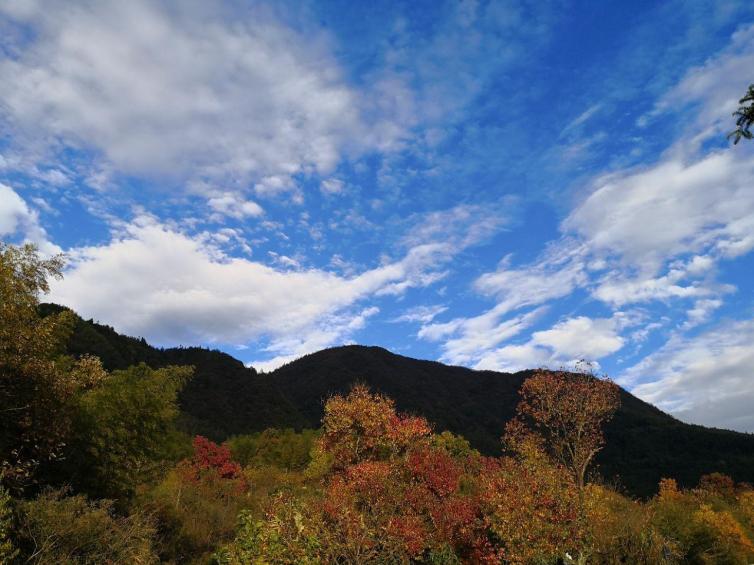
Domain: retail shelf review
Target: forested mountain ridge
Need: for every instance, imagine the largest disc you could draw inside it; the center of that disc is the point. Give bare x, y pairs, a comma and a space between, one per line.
226, 398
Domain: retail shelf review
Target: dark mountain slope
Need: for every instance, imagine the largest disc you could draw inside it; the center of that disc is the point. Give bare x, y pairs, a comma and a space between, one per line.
224, 398
643, 443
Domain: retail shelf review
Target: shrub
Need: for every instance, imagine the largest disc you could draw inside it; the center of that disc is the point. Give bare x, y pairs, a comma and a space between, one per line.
70, 530
197, 504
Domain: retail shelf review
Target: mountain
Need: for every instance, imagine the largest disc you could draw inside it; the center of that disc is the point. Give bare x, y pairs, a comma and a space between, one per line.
225, 398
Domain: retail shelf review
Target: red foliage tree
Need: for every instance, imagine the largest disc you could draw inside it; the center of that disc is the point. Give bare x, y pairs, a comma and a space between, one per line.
389, 491
211, 461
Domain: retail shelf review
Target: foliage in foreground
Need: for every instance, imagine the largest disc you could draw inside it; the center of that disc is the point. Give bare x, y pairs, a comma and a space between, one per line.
55, 528
386, 491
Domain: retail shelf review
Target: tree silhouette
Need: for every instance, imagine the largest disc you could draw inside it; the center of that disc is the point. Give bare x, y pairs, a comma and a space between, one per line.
744, 117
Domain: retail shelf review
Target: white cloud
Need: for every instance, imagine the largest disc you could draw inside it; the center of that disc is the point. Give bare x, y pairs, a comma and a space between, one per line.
469, 339
617, 289
332, 186
676, 206
581, 338
185, 92
13, 211
701, 312
651, 233
17, 218
461, 226
173, 289
566, 343
333, 330
421, 314
715, 86
555, 274
705, 379
232, 205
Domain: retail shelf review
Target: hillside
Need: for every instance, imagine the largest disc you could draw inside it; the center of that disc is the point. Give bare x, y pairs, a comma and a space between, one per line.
225, 398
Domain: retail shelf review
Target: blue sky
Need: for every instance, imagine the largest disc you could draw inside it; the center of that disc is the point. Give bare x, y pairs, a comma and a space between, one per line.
497, 185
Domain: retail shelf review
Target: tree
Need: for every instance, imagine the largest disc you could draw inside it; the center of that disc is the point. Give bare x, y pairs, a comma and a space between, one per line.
197, 504
390, 496
531, 510
124, 429
563, 413
37, 383
365, 426
211, 459
744, 117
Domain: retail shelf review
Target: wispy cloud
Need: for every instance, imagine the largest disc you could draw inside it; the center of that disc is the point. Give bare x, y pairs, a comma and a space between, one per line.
704, 379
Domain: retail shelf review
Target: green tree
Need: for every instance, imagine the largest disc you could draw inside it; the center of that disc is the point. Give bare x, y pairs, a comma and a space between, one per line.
125, 429
744, 117
284, 449
37, 384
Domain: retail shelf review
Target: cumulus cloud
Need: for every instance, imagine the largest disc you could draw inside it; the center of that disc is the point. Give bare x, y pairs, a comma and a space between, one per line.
704, 379
176, 289
17, 218
183, 92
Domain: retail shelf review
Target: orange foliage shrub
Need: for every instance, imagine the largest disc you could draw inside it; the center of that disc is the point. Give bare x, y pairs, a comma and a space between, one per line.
364, 425
531, 509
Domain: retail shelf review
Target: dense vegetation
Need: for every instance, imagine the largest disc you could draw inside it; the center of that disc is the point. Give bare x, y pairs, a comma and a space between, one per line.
225, 399
97, 466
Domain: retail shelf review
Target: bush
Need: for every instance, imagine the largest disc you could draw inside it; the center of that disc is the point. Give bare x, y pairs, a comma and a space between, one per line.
197, 504
285, 449
8, 550
70, 530
702, 522
620, 531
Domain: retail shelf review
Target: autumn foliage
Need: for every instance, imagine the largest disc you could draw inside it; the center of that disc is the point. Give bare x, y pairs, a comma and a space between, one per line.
390, 491
96, 469
210, 460
563, 413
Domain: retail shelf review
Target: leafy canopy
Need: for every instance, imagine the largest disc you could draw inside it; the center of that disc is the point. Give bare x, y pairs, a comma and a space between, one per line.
38, 384
563, 413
